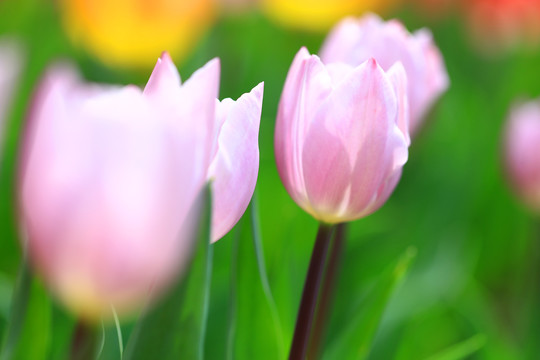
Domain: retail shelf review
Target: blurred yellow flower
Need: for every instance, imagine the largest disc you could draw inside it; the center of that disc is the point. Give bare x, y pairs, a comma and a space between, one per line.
320, 15
134, 32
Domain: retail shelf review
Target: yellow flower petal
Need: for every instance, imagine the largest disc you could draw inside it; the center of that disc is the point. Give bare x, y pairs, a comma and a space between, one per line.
319, 15
133, 32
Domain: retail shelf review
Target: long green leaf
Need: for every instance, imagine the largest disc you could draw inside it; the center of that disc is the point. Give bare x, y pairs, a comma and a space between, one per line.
358, 334
175, 327
255, 330
17, 316
461, 350
27, 335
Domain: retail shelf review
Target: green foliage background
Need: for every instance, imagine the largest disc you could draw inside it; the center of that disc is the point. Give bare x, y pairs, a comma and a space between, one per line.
472, 290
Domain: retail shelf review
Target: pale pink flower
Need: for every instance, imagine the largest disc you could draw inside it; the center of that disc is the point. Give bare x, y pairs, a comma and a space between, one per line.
108, 182
341, 136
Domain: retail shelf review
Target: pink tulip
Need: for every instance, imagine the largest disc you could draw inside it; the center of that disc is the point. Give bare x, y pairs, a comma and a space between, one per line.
10, 69
353, 41
341, 136
235, 164
522, 155
108, 180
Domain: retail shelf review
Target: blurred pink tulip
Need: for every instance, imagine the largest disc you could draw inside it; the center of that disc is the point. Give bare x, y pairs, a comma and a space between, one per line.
235, 164
522, 155
108, 178
353, 41
341, 136
10, 70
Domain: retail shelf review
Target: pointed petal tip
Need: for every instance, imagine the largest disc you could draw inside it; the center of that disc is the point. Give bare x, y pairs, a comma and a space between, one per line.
213, 66
165, 59
303, 50
164, 77
258, 91
214, 63
303, 53
165, 55
372, 63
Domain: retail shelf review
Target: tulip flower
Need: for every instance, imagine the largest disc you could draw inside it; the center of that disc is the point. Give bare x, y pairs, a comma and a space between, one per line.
341, 141
129, 33
108, 180
522, 152
341, 136
319, 15
10, 68
354, 41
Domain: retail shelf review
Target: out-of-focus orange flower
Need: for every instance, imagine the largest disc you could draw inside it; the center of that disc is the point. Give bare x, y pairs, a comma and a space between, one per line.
133, 32
320, 15
502, 23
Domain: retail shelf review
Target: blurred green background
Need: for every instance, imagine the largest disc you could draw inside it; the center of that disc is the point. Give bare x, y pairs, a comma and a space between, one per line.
476, 274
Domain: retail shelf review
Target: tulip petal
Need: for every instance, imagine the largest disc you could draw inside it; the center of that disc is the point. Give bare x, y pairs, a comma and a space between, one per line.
435, 78
338, 71
196, 134
366, 106
235, 166
165, 79
307, 85
327, 173
398, 78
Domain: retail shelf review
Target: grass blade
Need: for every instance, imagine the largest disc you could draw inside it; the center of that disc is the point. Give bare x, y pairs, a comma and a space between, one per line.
358, 334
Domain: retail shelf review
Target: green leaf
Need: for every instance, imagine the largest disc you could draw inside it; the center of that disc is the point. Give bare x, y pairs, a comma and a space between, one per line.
6, 292
19, 303
358, 334
255, 329
27, 333
175, 327
461, 350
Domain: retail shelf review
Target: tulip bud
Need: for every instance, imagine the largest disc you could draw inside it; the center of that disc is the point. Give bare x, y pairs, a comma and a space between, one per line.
341, 136
522, 152
353, 41
108, 178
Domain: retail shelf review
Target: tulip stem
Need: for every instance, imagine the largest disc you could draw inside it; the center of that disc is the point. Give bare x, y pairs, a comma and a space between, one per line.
310, 293
84, 345
327, 291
